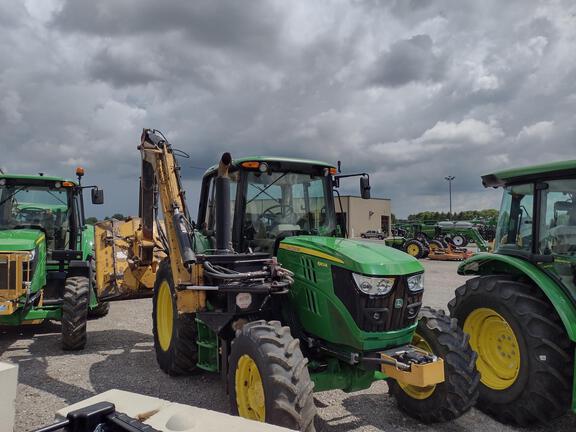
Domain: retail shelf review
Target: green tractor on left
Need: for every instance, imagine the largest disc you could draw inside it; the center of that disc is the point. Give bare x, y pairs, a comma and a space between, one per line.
46, 254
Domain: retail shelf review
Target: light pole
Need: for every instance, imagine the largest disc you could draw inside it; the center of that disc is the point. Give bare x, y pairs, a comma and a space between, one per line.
450, 178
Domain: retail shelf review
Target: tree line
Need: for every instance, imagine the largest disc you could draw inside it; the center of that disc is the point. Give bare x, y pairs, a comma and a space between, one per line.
463, 215
92, 220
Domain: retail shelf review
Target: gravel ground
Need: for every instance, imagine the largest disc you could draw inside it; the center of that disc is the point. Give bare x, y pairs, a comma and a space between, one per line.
120, 354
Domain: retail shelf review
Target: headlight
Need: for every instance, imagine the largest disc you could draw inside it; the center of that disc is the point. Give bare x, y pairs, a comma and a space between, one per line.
373, 285
416, 282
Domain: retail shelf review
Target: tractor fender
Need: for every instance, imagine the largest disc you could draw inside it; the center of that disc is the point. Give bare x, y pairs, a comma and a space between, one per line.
488, 263
87, 241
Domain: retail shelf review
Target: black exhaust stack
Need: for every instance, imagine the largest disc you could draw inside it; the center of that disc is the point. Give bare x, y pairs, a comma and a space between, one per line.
223, 219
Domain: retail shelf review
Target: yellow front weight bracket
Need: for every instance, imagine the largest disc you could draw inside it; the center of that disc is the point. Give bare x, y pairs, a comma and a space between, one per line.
419, 374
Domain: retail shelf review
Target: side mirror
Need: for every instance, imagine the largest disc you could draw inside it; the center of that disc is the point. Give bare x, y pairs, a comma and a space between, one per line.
97, 196
365, 187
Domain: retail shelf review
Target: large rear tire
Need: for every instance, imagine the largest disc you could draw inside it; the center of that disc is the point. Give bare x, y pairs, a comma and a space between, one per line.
439, 334
174, 333
524, 354
75, 312
268, 377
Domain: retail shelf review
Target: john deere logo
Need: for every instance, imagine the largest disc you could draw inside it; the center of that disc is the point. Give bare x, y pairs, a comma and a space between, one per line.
398, 303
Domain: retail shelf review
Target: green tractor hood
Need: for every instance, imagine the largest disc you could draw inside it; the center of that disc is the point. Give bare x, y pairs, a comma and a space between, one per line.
358, 256
20, 239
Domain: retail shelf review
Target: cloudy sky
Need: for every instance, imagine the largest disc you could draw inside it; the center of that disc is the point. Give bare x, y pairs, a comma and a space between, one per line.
408, 90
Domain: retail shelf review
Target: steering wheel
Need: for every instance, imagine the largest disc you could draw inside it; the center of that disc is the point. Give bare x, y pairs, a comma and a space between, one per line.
28, 212
271, 216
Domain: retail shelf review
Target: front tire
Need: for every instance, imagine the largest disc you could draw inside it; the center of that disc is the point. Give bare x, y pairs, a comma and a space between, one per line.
268, 377
524, 354
174, 333
414, 247
75, 312
439, 334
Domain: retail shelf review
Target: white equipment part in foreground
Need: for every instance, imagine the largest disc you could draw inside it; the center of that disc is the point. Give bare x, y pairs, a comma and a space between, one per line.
8, 384
169, 416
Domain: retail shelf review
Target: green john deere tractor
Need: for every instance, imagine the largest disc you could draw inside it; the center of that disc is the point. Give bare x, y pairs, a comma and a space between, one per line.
46, 267
355, 307
520, 310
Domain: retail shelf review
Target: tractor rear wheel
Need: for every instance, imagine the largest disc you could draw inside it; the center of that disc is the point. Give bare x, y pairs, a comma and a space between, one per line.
174, 333
414, 247
439, 334
268, 377
524, 354
75, 312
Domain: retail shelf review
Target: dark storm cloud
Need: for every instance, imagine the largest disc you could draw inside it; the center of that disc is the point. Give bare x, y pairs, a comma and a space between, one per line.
409, 91
409, 60
250, 25
121, 70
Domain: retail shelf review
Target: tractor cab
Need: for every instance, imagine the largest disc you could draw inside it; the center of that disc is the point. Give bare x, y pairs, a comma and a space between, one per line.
42, 203
537, 221
274, 198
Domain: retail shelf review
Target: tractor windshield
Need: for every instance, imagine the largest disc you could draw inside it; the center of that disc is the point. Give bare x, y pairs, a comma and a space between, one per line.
39, 207
279, 204
558, 229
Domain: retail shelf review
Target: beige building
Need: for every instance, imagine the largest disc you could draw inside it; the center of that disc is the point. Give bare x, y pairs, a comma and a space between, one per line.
360, 215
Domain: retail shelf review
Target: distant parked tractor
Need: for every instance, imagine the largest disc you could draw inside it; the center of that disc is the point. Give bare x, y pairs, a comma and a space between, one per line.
46, 257
413, 242
520, 309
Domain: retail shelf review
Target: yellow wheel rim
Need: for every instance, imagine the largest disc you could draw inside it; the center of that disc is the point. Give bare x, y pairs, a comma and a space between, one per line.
164, 316
249, 390
413, 391
413, 250
498, 351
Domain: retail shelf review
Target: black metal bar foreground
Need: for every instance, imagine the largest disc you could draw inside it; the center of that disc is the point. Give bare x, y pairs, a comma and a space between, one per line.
100, 417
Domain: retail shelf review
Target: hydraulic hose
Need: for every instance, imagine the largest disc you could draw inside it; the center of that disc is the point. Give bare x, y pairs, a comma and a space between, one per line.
210, 270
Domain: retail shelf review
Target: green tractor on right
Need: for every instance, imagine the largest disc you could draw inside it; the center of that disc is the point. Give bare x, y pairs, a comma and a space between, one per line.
520, 309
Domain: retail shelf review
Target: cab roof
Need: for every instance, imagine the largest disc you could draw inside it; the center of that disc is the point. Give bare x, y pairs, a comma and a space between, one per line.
530, 173
237, 162
35, 177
